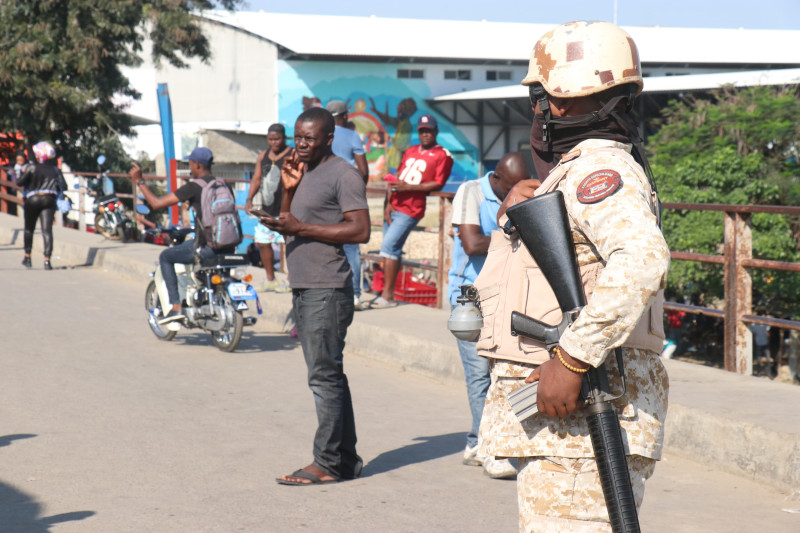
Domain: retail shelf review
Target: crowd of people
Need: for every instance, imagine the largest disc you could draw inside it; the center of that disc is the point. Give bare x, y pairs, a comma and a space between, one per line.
583, 78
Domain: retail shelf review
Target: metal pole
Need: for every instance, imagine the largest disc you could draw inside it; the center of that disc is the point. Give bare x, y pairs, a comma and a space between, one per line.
445, 250
168, 137
738, 345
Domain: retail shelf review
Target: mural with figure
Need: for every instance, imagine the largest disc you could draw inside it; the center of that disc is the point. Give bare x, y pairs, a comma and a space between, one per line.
382, 109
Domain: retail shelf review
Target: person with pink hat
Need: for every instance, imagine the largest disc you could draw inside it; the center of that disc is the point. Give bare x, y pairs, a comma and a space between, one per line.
42, 183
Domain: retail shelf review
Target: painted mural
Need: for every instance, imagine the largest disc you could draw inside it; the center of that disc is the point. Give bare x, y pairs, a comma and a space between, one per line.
382, 109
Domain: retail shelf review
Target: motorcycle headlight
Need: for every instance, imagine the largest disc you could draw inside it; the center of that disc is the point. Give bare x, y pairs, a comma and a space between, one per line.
239, 273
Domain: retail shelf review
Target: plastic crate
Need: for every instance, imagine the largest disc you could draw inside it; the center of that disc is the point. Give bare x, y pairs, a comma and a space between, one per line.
408, 290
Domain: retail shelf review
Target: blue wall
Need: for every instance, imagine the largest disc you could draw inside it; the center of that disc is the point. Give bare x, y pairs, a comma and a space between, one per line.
383, 108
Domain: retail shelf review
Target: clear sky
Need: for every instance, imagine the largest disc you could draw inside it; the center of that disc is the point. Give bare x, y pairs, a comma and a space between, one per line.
750, 14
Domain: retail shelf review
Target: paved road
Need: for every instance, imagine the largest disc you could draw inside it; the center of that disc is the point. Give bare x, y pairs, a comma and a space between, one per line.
105, 429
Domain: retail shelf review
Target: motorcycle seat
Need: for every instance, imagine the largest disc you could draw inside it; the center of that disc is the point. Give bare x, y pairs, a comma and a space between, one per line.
223, 259
107, 199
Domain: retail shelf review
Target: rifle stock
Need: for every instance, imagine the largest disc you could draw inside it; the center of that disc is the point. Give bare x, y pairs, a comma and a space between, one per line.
543, 226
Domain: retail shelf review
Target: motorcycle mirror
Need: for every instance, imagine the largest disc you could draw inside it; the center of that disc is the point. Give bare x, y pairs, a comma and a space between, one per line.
142, 209
76, 186
101, 159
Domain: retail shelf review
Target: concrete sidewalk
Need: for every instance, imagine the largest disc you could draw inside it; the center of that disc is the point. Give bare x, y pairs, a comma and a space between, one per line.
743, 425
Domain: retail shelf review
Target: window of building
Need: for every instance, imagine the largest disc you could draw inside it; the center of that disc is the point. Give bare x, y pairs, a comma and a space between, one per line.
411, 73
458, 74
498, 75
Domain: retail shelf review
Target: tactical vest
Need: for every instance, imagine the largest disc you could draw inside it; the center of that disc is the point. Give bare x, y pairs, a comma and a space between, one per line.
510, 281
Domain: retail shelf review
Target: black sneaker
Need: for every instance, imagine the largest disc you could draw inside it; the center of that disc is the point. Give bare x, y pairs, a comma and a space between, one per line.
171, 317
47, 265
26, 262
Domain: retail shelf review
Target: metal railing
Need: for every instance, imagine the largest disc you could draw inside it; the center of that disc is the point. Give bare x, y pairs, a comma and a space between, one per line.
737, 260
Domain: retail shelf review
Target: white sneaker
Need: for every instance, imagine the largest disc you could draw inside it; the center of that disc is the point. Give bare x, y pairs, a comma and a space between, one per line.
669, 350
499, 468
359, 306
471, 457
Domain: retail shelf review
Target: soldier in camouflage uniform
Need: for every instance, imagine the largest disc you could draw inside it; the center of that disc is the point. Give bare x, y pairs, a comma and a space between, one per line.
583, 78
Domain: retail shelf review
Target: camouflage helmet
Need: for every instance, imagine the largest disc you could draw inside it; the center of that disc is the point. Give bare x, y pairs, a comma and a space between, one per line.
582, 58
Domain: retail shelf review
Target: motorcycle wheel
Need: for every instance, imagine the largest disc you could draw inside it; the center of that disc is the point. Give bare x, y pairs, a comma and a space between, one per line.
101, 226
228, 340
151, 302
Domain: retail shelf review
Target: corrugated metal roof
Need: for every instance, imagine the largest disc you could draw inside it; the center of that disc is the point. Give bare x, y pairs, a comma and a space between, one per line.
655, 84
380, 37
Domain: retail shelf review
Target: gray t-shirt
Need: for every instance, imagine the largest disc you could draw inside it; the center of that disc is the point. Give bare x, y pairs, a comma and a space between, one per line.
323, 196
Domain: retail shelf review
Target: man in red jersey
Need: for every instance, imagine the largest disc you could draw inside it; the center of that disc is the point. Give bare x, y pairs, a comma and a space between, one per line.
425, 168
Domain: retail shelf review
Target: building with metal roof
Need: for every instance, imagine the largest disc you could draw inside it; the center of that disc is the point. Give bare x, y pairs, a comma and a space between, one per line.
269, 67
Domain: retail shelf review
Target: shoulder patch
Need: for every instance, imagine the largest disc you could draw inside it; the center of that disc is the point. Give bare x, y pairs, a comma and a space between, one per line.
598, 185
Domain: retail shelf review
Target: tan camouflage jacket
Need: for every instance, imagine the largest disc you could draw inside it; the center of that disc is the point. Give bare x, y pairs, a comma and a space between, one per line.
614, 226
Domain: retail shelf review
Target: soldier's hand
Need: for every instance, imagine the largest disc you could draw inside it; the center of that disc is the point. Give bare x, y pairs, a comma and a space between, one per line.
518, 193
559, 388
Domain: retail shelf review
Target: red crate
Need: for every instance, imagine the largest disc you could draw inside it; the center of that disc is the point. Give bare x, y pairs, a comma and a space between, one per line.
407, 289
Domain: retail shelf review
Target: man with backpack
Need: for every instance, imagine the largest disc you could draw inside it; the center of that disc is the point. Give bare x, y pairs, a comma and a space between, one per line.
218, 229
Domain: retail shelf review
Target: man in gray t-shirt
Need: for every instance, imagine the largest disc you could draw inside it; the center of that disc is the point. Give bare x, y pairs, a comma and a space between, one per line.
328, 208
324, 196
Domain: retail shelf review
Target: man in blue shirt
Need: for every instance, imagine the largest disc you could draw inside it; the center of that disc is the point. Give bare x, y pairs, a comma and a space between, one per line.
347, 145
475, 207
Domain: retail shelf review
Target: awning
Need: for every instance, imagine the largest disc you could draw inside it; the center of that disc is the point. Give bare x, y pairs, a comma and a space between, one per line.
656, 84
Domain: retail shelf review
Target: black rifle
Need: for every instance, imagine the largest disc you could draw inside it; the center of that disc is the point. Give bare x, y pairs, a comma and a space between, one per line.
543, 226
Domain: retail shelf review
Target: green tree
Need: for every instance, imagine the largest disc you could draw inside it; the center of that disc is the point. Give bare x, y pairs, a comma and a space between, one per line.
733, 147
60, 66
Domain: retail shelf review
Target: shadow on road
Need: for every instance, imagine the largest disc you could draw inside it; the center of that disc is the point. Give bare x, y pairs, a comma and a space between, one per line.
427, 449
8, 439
19, 512
251, 342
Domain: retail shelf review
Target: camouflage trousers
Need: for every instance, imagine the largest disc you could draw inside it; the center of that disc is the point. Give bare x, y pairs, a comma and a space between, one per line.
560, 494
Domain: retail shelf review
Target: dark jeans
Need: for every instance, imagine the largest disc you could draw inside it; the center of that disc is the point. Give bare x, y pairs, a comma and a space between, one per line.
323, 316
182, 253
40, 207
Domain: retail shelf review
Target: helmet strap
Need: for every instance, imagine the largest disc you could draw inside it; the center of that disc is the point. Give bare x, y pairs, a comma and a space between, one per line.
608, 109
536, 93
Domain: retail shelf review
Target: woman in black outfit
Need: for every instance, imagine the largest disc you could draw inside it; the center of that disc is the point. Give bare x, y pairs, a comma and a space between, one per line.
42, 183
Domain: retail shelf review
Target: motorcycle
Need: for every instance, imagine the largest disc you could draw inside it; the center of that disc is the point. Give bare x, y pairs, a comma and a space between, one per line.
215, 292
163, 236
110, 219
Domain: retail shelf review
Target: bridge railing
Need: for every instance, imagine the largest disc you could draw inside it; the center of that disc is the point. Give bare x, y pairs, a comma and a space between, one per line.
737, 260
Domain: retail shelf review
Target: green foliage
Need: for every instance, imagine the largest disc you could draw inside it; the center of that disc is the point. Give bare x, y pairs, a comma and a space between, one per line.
735, 147
60, 66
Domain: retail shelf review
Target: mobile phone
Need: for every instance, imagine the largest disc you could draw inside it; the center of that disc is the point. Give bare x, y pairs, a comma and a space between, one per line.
260, 213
